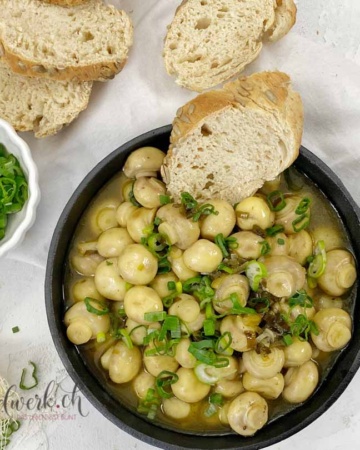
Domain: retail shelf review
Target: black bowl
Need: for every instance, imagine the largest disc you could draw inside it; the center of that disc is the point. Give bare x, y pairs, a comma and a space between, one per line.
330, 389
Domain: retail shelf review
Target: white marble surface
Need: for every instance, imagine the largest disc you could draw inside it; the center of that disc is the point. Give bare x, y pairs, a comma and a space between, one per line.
322, 55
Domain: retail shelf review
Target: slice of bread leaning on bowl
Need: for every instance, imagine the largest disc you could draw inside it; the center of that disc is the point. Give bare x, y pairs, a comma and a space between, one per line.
226, 143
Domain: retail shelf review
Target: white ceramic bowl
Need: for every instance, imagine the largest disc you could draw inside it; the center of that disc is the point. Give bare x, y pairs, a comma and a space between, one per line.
19, 223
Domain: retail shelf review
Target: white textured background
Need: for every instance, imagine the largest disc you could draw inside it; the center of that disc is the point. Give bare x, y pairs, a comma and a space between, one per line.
322, 55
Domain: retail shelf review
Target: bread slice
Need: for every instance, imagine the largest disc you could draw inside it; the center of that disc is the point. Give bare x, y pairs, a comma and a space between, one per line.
88, 42
209, 41
40, 105
66, 2
226, 143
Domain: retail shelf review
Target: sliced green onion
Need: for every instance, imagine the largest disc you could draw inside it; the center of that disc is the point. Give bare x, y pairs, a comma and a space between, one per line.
311, 282
169, 299
265, 248
156, 242
164, 266
157, 221
216, 400
132, 196
220, 242
303, 206
301, 222
211, 410
281, 241
224, 268
126, 338
318, 264
255, 302
101, 337
202, 374
128, 286
171, 285
272, 231
301, 298
178, 287
150, 404
223, 343
164, 380
164, 199
157, 316
188, 201
15, 330
302, 327
34, 376
255, 272
276, 201
287, 339
209, 327
172, 324
236, 306
98, 312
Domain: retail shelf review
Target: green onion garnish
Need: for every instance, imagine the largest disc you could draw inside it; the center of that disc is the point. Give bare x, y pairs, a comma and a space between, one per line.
15, 330
126, 338
224, 268
272, 231
132, 196
237, 308
223, 343
318, 264
257, 302
34, 376
150, 404
101, 337
158, 316
157, 221
164, 199
209, 327
220, 242
303, 206
164, 380
98, 312
193, 209
287, 339
281, 241
301, 298
13, 188
301, 222
171, 324
171, 285
265, 248
255, 272
302, 327
276, 201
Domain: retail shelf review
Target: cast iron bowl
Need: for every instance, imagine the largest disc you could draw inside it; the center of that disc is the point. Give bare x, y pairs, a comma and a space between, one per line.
330, 389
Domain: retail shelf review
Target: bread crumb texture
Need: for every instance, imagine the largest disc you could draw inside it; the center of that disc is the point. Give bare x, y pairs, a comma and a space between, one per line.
90, 41
209, 41
225, 144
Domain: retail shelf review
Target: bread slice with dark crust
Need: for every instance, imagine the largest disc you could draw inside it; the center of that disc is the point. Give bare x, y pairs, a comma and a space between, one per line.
226, 143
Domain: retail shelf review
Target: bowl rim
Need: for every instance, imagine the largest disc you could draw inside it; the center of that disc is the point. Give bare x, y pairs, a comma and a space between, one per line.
153, 434
34, 190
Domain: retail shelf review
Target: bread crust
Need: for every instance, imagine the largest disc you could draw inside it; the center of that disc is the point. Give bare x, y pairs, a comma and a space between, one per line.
269, 91
101, 71
285, 18
65, 2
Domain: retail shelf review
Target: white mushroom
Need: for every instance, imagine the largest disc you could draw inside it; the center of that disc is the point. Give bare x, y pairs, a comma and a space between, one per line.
329, 235
140, 300
147, 191
301, 246
334, 327
284, 277
297, 353
140, 222
242, 329
113, 241
124, 212
229, 388
326, 301
175, 408
340, 272
223, 222
185, 307
178, 266
300, 382
248, 413
264, 364
144, 162
188, 388
106, 218
183, 356
176, 227
108, 281
254, 212
203, 256
86, 264
83, 325
269, 388
125, 363
137, 265
227, 285
249, 244
279, 244
85, 287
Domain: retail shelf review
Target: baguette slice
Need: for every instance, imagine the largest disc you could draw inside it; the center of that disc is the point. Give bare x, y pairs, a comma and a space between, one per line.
209, 41
87, 42
66, 2
226, 143
40, 105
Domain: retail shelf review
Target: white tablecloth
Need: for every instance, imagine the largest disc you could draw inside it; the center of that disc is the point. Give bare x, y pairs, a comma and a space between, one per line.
322, 55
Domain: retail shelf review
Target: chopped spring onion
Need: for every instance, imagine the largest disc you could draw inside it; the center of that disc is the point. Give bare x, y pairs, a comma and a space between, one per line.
98, 312
128, 286
209, 327
126, 338
172, 324
188, 201
215, 401
272, 231
225, 244
164, 380
281, 241
265, 248
132, 196
287, 339
237, 308
164, 265
109, 263
303, 206
164, 199
178, 287
317, 265
204, 375
169, 299
302, 327
301, 298
257, 302
255, 271
311, 282
171, 285
13, 188
156, 242
150, 404
34, 376
222, 345
276, 201
157, 316
301, 222
193, 209
199, 287
224, 268
101, 337
157, 221
204, 210
15, 330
